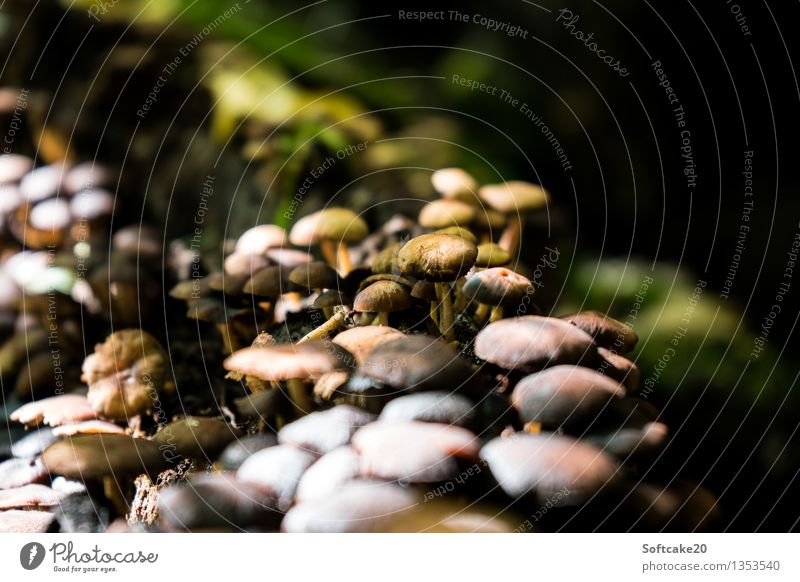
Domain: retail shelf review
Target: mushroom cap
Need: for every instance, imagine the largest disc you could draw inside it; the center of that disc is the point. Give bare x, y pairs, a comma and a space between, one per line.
360, 341
285, 362
437, 257
239, 450
92, 456
314, 275
217, 502
33, 442
10, 199
444, 213
386, 260
545, 465
224, 283
138, 239
124, 373
424, 290
459, 231
514, 196
278, 469
335, 224
13, 167
22, 521
269, 282
416, 363
20, 472
621, 369
196, 437
324, 477
564, 396
88, 427
383, 296
32, 496
190, 289
331, 298
417, 452
533, 342
357, 506
288, 258
440, 407
323, 431
56, 410
43, 182
86, 176
243, 265
455, 183
50, 214
627, 441
401, 279
91, 204
497, 286
492, 255
606, 331
259, 239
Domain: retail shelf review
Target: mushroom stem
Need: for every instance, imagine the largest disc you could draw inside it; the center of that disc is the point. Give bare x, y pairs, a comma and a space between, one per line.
434, 314
461, 302
227, 338
511, 236
481, 313
446, 303
112, 492
343, 263
383, 318
327, 312
299, 396
328, 249
326, 328
497, 313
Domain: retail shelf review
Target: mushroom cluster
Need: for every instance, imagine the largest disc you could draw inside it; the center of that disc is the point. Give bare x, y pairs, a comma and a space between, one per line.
412, 385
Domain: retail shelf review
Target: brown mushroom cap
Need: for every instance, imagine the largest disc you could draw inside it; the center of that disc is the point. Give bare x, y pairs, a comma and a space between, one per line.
444, 213
544, 465
383, 296
314, 275
424, 290
417, 363
214, 502
331, 298
627, 441
56, 410
459, 231
497, 286
196, 437
437, 257
533, 342
93, 456
224, 283
606, 331
334, 224
285, 362
357, 506
564, 396
417, 452
455, 183
514, 196
386, 260
259, 239
270, 282
360, 341
620, 368
279, 469
323, 431
324, 477
492, 255
124, 373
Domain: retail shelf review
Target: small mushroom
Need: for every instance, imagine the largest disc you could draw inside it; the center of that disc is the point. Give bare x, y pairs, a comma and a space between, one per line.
125, 374
383, 297
259, 239
87, 176
330, 299
195, 437
333, 229
620, 368
328, 474
316, 276
497, 287
446, 213
29, 497
415, 452
606, 331
243, 266
56, 410
13, 167
43, 182
439, 407
442, 259
533, 342
19, 472
294, 364
278, 469
566, 396
491, 255
360, 341
544, 465
456, 184
323, 431
514, 199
